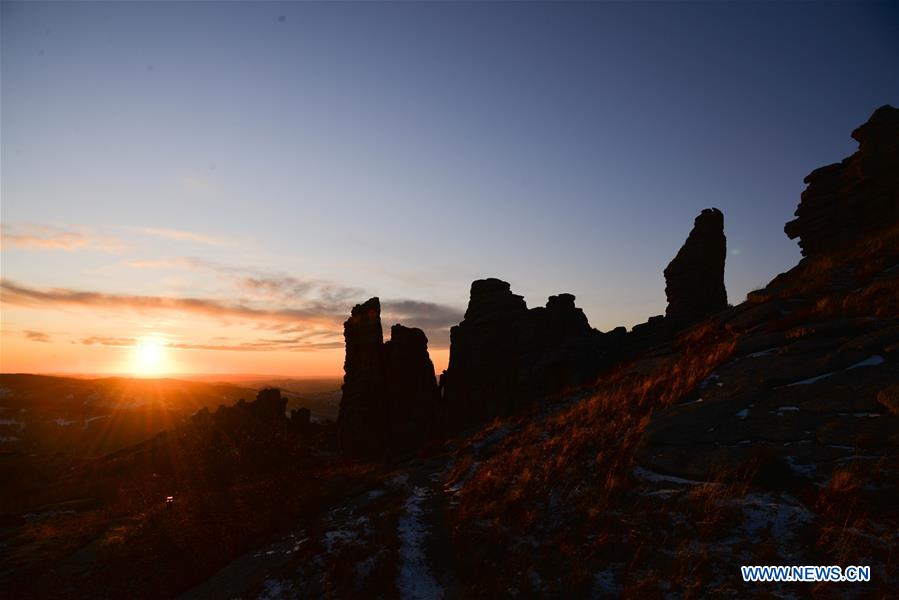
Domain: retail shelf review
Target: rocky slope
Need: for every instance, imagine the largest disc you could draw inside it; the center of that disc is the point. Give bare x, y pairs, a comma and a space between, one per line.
566, 462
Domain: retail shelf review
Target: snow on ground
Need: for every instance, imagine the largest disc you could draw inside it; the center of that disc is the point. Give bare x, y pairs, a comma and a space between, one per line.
273, 589
493, 437
347, 534
761, 353
415, 579
604, 585
647, 475
871, 361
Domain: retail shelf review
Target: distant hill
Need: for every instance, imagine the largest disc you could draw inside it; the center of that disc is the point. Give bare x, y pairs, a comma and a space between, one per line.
90, 417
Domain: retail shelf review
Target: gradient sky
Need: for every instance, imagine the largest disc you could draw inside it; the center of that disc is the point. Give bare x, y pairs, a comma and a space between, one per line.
227, 179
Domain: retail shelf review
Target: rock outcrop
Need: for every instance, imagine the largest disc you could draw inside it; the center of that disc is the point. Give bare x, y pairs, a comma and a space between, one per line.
361, 422
694, 279
845, 200
412, 389
389, 390
503, 355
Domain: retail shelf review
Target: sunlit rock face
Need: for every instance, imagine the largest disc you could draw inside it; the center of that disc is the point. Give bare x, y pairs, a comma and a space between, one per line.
389, 391
859, 195
694, 279
503, 355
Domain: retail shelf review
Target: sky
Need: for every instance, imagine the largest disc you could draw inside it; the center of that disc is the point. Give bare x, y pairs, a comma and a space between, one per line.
203, 187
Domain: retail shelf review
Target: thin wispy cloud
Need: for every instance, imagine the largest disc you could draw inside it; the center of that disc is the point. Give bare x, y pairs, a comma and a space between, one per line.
51, 237
36, 336
260, 284
182, 235
304, 320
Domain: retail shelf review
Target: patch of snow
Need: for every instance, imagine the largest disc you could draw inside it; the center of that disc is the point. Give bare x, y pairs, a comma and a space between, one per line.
12, 422
647, 475
811, 380
767, 352
366, 566
713, 378
871, 361
742, 414
274, 589
604, 585
372, 494
866, 414
415, 579
9, 438
457, 487
804, 470
492, 438
346, 535
401, 479
787, 408
664, 493
776, 516
64, 422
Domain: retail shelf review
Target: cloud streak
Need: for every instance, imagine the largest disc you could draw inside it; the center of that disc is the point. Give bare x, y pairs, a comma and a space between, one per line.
48, 237
36, 336
182, 235
318, 317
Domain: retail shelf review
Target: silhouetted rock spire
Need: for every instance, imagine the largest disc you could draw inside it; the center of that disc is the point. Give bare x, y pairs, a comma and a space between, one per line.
389, 389
858, 195
694, 279
361, 422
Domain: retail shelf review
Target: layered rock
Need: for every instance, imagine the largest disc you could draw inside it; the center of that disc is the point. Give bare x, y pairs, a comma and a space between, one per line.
389, 392
503, 355
845, 200
694, 279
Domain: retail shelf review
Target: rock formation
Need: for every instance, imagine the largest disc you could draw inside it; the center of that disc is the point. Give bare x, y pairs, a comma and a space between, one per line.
694, 279
412, 389
503, 355
845, 200
361, 421
389, 390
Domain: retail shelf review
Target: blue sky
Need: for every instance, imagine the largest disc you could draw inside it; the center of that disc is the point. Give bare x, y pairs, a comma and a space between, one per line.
403, 150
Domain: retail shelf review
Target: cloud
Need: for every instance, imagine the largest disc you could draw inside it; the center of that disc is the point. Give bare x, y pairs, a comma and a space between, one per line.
178, 262
48, 237
108, 341
295, 344
436, 318
60, 297
181, 235
306, 319
259, 283
36, 336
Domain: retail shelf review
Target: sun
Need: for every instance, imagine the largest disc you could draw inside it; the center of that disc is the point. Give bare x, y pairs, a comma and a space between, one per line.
148, 357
